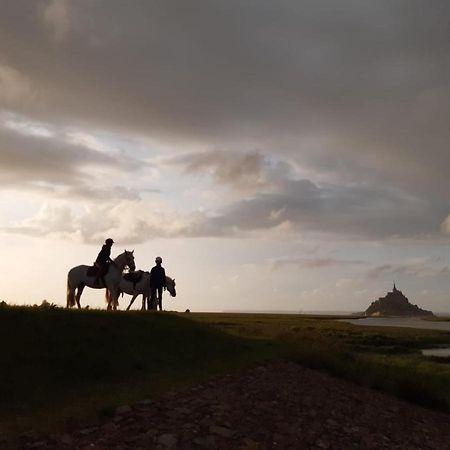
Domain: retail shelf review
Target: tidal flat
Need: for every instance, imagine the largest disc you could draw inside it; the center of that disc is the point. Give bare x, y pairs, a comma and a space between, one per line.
408, 322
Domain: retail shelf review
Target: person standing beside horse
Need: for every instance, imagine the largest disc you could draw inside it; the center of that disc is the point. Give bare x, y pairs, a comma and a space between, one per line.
157, 283
103, 260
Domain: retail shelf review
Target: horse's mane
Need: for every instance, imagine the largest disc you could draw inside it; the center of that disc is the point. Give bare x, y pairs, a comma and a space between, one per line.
121, 254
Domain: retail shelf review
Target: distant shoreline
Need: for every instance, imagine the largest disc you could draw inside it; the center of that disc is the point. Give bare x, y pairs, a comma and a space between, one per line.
274, 311
321, 313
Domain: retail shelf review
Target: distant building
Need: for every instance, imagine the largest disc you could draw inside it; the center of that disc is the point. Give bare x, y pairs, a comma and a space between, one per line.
394, 303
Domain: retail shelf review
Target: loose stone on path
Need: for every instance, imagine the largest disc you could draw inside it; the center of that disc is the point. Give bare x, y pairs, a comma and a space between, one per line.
279, 405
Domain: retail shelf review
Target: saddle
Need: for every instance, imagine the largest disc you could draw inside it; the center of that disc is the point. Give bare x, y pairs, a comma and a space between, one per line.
94, 271
134, 277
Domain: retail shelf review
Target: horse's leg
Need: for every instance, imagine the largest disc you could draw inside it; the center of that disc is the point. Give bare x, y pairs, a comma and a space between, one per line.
79, 292
132, 301
112, 302
70, 297
144, 300
109, 300
114, 292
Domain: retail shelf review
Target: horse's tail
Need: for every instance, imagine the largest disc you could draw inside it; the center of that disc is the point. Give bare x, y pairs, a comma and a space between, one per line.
112, 302
70, 294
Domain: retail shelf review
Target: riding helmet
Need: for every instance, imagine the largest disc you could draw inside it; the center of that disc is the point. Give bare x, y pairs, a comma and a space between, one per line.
109, 241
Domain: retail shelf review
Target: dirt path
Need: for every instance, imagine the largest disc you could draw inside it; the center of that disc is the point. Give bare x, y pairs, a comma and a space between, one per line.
280, 405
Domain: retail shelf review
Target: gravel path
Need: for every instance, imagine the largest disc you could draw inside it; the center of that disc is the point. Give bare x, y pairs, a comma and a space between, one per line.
280, 405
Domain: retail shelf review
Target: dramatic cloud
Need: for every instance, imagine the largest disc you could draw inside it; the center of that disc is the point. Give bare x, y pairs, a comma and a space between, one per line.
231, 168
33, 156
312, 263
301, 206
365, 75
445, 225
55, 16
280, 122
354, 210
130, 222
14, 86
364, 80
417, 268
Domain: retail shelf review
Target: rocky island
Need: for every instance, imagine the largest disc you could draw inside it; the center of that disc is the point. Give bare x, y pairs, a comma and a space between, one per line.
395, 303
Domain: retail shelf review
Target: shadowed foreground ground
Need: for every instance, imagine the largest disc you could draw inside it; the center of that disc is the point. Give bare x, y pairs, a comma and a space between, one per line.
279, 405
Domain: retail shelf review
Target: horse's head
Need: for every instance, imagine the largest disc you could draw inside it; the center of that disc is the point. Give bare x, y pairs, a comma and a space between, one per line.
170, 284
129, 260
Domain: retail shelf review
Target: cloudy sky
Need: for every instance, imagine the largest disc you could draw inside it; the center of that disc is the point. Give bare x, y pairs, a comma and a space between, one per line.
288, 155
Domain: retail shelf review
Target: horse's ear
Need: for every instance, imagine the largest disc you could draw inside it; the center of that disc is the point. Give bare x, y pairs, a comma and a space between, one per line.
132, 251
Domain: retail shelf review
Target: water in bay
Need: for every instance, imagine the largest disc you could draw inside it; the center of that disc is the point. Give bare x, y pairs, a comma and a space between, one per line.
409, 322
439, 352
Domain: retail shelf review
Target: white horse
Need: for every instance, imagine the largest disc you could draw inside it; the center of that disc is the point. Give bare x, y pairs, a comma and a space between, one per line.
140, 287
78, 278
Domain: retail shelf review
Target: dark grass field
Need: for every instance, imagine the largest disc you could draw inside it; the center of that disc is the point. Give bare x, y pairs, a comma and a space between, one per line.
60, 368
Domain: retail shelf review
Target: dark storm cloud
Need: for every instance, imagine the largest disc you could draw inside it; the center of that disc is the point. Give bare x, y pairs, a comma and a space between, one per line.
237, 169
422, 268
215, 68
300, 206
357, 211
312, 263
101, 193
356, 91
50, 163
33, 158
362, 209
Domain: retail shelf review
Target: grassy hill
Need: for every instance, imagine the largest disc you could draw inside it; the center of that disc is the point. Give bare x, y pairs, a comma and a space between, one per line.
59, 366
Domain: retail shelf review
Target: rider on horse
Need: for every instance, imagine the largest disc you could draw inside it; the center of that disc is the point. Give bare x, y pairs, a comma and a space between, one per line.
103, 260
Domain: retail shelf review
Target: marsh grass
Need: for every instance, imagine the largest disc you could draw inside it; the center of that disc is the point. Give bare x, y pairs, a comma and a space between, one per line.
383, 358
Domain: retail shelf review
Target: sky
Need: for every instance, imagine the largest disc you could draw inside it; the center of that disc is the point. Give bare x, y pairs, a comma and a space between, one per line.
288, 155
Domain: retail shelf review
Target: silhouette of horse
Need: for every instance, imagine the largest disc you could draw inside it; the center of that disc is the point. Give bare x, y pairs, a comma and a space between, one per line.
170, 285
138, 286
79, 277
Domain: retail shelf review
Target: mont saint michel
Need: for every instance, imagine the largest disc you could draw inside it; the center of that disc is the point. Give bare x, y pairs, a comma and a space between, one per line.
395, 303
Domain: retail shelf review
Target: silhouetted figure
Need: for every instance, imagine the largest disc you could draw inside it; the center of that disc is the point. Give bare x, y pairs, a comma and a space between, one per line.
103, 260
157, 283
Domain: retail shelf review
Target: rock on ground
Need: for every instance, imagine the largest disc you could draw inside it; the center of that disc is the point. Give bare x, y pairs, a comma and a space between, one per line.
279, 405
